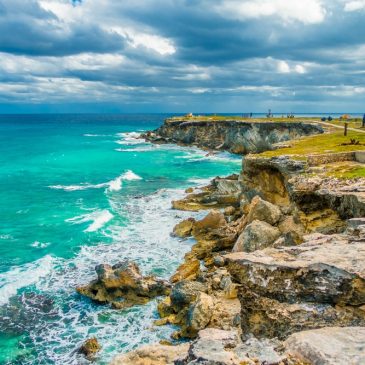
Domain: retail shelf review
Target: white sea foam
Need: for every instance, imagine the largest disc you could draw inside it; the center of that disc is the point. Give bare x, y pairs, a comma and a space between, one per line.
96, 135
130, 175
98, 218
21, 276
113, 185
37, 244
129, 138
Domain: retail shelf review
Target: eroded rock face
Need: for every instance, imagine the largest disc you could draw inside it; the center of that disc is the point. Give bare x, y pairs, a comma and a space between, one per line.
262, 210
200, 313
269, 318
185, 292
123, 285
329, 346
257, 235
152, 355
315, 271
235, 136
184, 228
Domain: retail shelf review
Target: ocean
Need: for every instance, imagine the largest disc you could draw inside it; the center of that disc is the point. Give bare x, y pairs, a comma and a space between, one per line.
77, 191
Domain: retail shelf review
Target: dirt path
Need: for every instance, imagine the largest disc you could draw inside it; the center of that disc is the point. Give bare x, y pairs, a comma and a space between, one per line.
340, 127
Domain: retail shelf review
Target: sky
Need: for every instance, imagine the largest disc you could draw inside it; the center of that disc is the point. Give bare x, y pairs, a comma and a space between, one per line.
180, 56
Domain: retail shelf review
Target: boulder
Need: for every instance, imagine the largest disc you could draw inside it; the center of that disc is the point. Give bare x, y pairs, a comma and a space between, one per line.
184, 228
186, 292
90, 348
257, 235
187, 270
263, 211
199, 313
123, 285
329, 346
320, 270
152, 355
269, 318
123, 274
214, 219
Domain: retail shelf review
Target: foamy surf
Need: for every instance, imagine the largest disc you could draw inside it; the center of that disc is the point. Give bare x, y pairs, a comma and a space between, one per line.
22, 276
98, 218
112, 185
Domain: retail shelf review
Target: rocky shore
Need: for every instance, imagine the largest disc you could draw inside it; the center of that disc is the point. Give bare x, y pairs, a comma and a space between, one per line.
236, 136
276, 276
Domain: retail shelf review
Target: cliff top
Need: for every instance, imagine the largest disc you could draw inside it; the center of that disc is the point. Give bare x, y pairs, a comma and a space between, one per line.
352, 123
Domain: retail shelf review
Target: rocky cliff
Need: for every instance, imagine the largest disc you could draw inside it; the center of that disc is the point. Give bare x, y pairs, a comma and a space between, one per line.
236, 136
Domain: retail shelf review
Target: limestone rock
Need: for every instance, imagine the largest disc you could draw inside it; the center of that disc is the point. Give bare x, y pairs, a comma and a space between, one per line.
215, 219
218, 347
329, 346
184, 228
264, 317
315, 271
257, 235
187, 270
186, 292
210, 348
90, 347
262, 210
152, 355
123, 285
200, 313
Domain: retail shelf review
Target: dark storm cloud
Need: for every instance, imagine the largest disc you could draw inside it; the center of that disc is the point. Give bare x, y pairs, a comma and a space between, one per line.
28, 29
183, 52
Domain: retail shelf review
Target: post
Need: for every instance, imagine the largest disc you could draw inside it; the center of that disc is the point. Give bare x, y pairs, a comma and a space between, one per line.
345, 130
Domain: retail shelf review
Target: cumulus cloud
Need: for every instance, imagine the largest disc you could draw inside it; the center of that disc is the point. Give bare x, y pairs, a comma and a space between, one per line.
307, 12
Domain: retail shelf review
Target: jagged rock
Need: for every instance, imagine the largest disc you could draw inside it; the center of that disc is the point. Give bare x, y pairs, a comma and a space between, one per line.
235, 136
229, 211
123, 274
329, 346
186, 292
215, 219
262, 210
90, 347
292, 230
184, 228
123, 281
315, 271
152, 355
264, 317
256, 235
199, 313
187, 270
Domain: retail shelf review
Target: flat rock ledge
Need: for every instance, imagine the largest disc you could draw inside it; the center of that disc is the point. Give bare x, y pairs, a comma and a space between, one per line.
329, 346
324, 269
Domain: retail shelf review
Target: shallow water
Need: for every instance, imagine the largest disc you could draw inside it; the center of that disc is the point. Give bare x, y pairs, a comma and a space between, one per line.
76, 191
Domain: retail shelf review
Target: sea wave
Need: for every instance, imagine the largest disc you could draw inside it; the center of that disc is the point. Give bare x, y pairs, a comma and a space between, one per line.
98, 218
112, 185
21, 276
129, 138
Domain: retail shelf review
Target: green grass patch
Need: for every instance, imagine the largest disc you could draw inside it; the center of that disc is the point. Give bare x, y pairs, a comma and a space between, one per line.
319, 144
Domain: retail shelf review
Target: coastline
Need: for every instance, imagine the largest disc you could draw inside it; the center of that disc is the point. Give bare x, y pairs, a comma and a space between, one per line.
274, 206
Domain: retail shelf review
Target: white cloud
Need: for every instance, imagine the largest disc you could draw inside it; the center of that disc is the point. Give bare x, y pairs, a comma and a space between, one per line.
300, 69
283, 67
355, 5
307, 12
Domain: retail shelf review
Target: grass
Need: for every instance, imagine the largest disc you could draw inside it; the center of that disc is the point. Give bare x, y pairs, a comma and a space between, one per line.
318, 144
342, 170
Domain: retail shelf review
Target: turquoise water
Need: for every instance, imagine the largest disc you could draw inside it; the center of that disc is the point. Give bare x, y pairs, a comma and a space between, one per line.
76, 191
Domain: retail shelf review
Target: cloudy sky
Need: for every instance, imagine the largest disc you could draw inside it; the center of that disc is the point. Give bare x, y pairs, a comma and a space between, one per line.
182, 55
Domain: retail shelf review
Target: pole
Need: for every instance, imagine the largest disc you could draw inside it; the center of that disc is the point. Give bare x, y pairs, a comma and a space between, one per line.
345, 130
